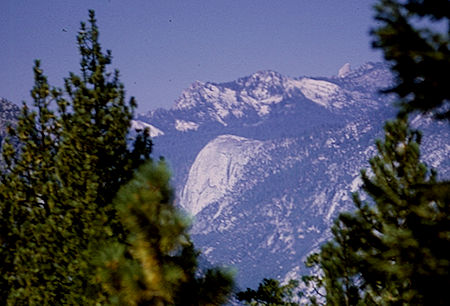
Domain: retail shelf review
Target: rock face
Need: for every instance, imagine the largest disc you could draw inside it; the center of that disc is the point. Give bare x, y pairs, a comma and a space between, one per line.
217, 170
265, 163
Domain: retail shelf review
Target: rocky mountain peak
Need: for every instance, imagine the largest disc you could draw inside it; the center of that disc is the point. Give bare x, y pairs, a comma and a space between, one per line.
268, 93
265, 163
262, 77
344, 70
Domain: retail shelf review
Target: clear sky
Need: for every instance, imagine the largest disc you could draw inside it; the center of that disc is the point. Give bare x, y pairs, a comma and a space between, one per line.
162, 46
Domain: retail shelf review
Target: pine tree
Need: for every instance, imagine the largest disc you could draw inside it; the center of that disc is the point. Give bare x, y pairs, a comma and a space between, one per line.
271, 292
420, 56
158, 265
393, 249
29, 218
61, 171
63, 237
337, 279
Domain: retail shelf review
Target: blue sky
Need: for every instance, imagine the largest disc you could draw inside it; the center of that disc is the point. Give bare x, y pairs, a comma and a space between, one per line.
162, 46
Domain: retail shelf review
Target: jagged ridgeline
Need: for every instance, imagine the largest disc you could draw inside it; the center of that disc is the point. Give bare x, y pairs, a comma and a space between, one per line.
266, 162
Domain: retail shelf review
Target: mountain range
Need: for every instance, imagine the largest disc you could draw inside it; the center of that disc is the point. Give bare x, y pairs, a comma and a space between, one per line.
263, 164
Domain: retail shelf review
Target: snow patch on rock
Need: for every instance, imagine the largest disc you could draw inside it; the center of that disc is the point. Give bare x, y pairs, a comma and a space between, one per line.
318, 91
140, 125
356, 184
344, 70
184, 126
188, 97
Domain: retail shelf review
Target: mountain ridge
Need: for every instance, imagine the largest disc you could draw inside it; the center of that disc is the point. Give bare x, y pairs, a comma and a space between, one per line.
272, 161
264, 163
256, 95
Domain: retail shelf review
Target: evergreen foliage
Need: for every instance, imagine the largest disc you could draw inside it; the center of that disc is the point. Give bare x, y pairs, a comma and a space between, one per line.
158, 266
414, 37
62, 167
271, 292
33, 269
393, 249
